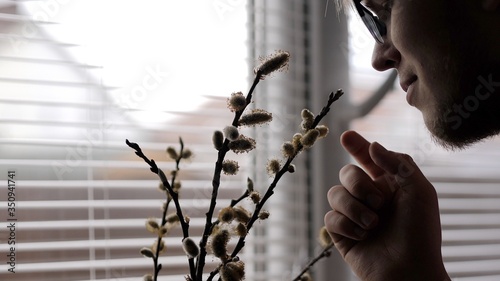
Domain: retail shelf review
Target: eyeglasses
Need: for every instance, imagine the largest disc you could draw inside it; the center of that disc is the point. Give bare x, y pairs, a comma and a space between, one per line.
376, 27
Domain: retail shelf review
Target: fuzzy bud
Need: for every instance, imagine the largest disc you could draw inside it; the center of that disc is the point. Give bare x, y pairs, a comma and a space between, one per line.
230, 167
236, 102
307, 119
306, 277
275, 62
291, 168
219, 243
288, 149
172, 221
256, 117
186, 154
242, 144
255, 196
162, 246
323, 130
297, 141
264, 215
241, 230
177, 186
152, 225
172, 218
273, 166
190, 248
306, 114
161, 187
215, 229
226, 215
218, 139
162, 231
147, 252
324, 237
147, 277
310, 138
172, 153
231, 133
241, 214
250, 185
232, 271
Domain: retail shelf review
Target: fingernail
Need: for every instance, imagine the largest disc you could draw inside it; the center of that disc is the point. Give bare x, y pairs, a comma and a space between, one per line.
367, 219
374, 201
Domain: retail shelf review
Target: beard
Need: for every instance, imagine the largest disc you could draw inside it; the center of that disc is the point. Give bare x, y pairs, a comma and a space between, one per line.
466, 108
471, 115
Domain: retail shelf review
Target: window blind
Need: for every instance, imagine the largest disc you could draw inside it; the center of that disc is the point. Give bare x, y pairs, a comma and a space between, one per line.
82, 196
279, 247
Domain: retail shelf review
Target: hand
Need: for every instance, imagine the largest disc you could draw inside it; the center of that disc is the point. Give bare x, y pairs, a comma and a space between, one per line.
385, 217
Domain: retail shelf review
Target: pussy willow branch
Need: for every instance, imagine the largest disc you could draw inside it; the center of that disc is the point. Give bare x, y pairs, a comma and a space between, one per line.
324, 111
258, 207
158, 245
216, 183
325, 253
270, 190
175, 197
255, 215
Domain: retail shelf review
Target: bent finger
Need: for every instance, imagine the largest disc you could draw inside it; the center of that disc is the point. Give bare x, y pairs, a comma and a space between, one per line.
361, 186
344, 203
341, 226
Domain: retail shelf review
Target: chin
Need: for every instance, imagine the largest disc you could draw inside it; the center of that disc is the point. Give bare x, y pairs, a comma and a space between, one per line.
454, 132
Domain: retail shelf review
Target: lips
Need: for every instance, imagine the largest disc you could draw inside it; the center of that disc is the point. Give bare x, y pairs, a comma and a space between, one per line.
407, 86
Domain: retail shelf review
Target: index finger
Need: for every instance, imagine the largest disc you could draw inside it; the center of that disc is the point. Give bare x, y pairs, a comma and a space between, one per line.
358, 147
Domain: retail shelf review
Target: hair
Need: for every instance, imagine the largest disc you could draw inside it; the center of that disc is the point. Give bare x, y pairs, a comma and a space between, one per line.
343, 5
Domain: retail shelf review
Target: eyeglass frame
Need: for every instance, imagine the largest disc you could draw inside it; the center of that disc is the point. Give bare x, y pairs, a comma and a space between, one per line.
377, 28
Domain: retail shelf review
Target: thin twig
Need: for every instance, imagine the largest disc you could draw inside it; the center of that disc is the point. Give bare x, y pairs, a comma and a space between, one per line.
158, 245
325, 253
175, 196
331, 99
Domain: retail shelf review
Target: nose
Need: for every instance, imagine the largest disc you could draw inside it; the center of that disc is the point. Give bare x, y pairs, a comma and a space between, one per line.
385, 56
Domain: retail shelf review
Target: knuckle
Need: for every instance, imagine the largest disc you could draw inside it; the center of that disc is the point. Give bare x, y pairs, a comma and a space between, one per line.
334, 193
357, 188
350, 207
347, 170
355, 180
343, 226
338, 223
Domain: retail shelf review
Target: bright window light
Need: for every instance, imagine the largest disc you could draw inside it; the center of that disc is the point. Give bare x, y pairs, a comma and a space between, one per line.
161, 55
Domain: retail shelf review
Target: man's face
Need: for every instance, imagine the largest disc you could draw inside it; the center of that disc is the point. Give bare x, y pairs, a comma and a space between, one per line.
442, 62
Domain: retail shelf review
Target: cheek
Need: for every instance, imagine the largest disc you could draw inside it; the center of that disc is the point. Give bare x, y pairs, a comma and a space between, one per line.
419, 31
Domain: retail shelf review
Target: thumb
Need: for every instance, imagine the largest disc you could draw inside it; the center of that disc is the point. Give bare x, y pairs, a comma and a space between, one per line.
401, 166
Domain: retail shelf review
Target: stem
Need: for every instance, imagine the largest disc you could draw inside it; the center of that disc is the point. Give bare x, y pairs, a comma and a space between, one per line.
175, 196
331, 99
216, 183
325, 253
184, 224
258, 207
155, 259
